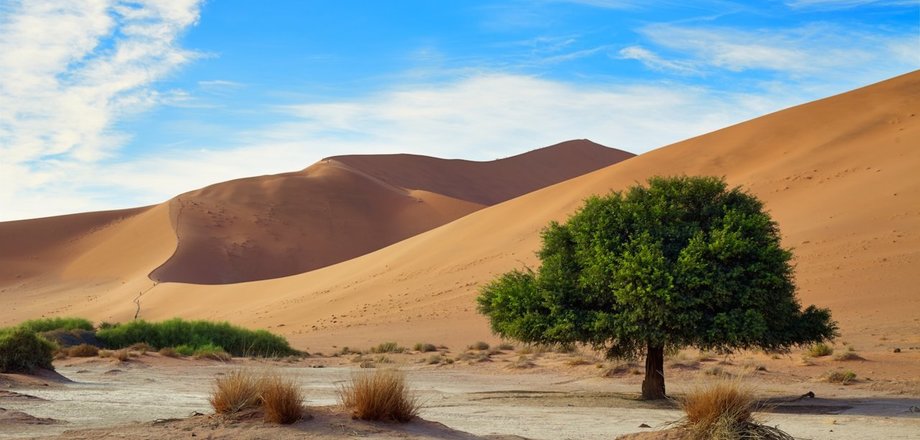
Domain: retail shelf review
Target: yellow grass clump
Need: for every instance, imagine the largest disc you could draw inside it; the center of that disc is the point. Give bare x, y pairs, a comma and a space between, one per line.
381, 395
282, 400
723, 411
235, 392
83, 350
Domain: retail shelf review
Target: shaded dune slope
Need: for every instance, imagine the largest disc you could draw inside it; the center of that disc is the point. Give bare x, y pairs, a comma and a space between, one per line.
839, 175
342, 207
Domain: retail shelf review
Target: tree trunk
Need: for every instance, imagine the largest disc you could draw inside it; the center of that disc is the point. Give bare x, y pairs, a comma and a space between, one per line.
653, 385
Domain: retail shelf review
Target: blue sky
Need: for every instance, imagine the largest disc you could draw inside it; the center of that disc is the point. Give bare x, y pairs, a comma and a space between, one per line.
110, 104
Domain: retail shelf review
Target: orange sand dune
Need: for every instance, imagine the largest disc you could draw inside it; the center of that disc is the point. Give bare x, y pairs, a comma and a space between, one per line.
840, 176
346, 206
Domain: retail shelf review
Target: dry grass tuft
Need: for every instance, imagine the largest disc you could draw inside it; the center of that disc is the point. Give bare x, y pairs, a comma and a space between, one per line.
234, 392
841, 377
820, 349
169, 352
282, 400
382, 395
83, 350
723, 411
122, 355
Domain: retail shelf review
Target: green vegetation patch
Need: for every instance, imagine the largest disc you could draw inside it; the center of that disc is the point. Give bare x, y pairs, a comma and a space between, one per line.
24, 351
189, 336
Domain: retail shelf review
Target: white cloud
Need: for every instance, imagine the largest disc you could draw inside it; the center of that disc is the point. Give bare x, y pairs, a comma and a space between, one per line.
480, 117
846, 4
68, 70
822, 51
655, 62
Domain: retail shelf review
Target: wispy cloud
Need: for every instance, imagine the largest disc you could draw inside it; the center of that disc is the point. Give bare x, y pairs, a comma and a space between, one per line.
655, 62
816, 50
69, 70
480, 117
847, 4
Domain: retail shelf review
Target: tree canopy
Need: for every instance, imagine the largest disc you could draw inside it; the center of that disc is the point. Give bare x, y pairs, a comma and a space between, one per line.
681, 262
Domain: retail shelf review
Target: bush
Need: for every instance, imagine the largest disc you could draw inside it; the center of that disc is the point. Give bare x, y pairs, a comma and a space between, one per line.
169, 352
122, 355
425, 347
720, 411
49, 324
479, 346
69, 338
213, 352
388, 347
841, 377
24, 351
820, 349
195, 334
282, 400
382, 395
83, 350
234, 392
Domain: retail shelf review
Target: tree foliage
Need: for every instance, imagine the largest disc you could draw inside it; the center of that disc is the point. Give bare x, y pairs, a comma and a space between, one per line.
683, 261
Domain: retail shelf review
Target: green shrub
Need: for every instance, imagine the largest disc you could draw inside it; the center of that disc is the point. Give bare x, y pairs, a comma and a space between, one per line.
841, 377
24, 351
820, 349
185, 350
213, 352
235, 340
388, 347
49, 324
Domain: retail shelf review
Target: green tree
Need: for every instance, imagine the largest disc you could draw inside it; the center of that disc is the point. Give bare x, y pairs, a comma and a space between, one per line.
682, 262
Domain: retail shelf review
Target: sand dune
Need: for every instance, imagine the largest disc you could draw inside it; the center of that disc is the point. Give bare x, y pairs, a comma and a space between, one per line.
838, 174
270, 226
342, 207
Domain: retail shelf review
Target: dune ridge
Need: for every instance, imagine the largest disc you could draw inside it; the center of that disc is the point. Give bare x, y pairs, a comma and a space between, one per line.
838, 174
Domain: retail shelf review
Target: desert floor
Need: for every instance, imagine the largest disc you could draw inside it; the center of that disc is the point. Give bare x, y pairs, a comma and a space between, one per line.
503, 395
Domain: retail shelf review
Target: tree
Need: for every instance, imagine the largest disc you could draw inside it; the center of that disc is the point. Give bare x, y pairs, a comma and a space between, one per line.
683, 262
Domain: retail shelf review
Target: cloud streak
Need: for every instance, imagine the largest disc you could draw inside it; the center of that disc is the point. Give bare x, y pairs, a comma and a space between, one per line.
70, 70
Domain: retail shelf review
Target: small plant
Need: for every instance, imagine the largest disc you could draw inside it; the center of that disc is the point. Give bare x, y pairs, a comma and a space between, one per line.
505, 346
185, 350
715, 371
820, 349
212, 352
479, 346
24, 351
235, 392
122, 355
425, 347
435, 359
387, 347
841, 377
282, 400
723, 411
578, 361
382, 395
49, 324
522, 362
169, 352
83, 350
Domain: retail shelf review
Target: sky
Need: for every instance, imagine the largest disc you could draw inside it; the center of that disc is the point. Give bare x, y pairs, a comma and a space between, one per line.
109, 104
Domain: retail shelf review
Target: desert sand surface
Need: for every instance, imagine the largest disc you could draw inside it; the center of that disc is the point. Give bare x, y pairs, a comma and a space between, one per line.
549, 397
839, 175
840, 182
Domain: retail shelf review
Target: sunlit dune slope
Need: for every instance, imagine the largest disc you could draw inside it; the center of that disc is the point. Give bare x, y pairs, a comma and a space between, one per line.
343, 207
839, 175
270, 226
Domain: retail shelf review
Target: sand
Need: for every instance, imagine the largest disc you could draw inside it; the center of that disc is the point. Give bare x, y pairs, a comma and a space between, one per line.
839, 175
155, 397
